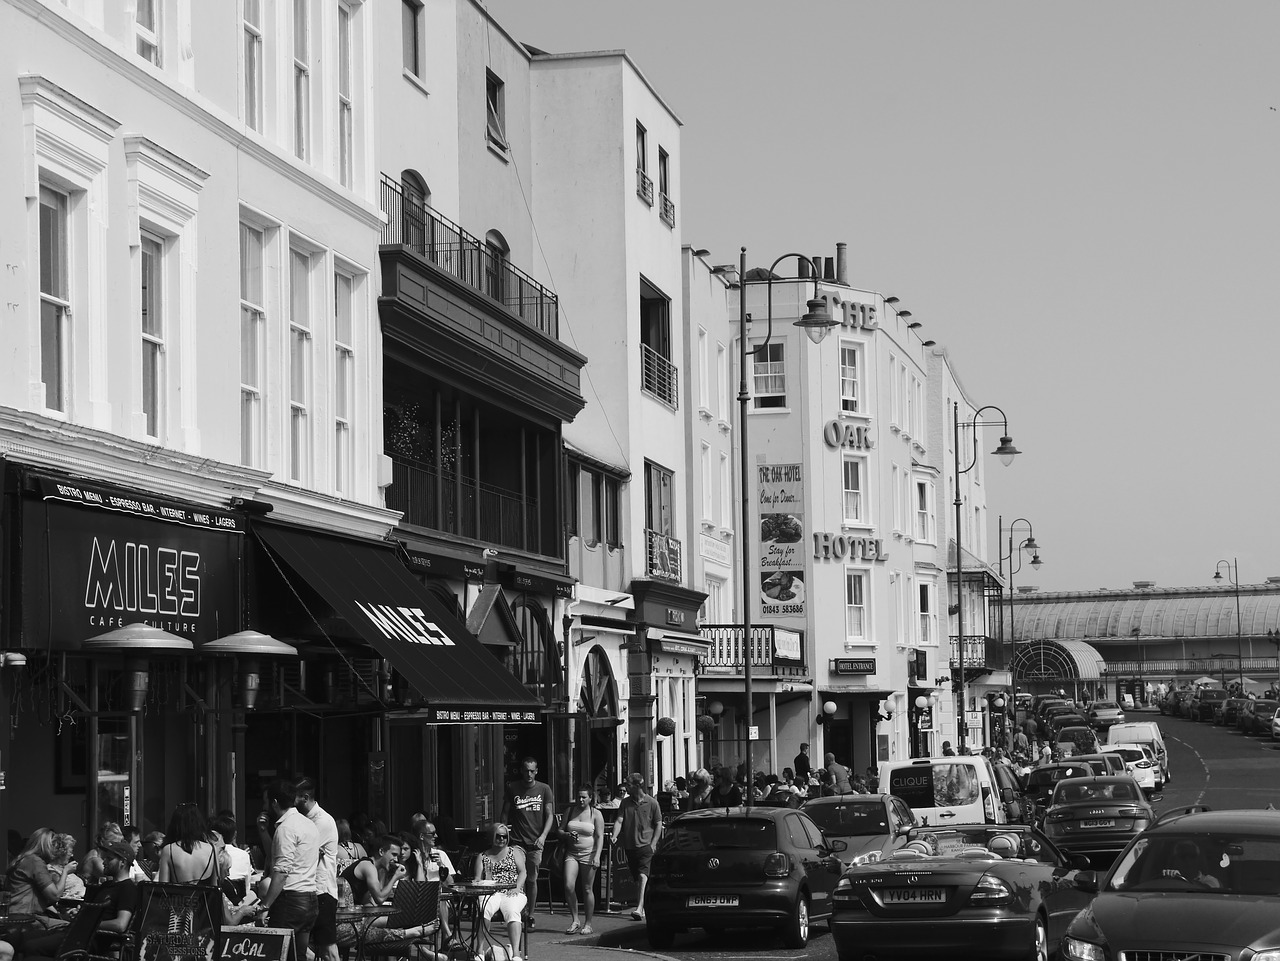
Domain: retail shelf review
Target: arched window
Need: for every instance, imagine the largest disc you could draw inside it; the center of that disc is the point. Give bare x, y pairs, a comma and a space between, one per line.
413, 214
536, 660
449, 599
497, 251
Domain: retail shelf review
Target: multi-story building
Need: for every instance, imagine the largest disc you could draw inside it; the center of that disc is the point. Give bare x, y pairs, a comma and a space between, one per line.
190, 342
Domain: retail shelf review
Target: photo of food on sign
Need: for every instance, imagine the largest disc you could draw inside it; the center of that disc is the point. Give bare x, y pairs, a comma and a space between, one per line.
782, 587
781, 528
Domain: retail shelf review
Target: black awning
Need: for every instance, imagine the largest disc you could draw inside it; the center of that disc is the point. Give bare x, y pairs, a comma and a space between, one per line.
372, 590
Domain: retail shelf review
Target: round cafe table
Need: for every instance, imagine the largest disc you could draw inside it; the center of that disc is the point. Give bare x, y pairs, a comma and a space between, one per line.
465, 896
362, 916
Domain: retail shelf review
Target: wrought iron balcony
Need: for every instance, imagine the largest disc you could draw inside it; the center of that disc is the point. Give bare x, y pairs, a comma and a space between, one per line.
979, 651
659, 377
663, 553
644, 186
774, 650
668, 210
450, 248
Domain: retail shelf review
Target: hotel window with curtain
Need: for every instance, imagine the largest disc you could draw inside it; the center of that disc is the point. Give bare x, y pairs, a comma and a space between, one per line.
855, 509
855, 607
848, 378
769, 377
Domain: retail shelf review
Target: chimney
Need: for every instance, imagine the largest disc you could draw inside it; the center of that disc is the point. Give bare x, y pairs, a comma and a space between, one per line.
1143, 585
829, 269
842, 264
804, 268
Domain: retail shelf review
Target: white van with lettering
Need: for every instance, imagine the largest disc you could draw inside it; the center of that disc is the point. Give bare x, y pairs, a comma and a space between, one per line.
946, 790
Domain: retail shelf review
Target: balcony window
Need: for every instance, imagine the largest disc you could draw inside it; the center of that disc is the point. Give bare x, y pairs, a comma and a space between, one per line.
659, 375
668, 211
644, 184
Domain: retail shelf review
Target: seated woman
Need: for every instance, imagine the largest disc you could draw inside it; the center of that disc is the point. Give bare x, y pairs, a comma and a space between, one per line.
187, 855
64, 848
33, 888
91, 870
505, 864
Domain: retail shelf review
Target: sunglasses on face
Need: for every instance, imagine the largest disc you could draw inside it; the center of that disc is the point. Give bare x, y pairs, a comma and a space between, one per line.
500, 837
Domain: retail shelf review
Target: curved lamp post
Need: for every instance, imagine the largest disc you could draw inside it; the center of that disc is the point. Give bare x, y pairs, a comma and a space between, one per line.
817, 323
1233, 577
1028, 543
1006, 452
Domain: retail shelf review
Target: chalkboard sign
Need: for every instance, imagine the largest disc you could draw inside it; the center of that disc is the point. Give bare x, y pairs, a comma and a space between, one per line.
246, 942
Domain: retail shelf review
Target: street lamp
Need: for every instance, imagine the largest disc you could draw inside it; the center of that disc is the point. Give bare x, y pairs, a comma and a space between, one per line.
817, 323
1006, 452
1233, 576
1028, 543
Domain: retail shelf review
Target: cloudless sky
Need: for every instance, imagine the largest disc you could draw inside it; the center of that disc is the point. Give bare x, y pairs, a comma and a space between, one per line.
1079, 200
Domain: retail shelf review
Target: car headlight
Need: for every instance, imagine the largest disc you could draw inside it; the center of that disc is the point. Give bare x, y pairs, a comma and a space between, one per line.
1270, 954
868, 858
1073, 949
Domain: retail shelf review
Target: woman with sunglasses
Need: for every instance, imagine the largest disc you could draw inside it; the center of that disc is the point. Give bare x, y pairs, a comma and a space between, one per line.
505, 864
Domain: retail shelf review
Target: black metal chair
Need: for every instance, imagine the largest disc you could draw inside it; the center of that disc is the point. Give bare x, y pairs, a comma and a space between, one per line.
414, 904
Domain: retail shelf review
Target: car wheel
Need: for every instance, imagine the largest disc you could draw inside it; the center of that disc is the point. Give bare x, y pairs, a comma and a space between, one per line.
795, 933
1040, 942
661, 937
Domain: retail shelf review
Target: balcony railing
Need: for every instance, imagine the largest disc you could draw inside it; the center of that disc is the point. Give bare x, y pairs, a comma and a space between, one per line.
668, 210
979, 651
659, 377
663, 553
441, 501
644, 186
437, 238
774, 650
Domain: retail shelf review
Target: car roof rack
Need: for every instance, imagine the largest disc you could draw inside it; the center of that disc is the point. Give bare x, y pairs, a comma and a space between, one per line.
1181, 812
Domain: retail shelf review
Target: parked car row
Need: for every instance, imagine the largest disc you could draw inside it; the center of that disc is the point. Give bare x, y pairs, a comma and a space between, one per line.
1192, 883
1250, 716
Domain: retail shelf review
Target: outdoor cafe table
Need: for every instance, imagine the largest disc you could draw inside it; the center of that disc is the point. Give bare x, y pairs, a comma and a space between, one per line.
466, 896
363, 917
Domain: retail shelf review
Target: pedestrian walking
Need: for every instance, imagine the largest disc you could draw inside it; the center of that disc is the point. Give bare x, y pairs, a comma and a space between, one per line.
841, 776
295, 860
584, 832
800, 764
529, 810
324, 934
639, 825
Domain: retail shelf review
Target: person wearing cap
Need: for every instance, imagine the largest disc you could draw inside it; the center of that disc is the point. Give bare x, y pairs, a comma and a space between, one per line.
118, 891
800, 763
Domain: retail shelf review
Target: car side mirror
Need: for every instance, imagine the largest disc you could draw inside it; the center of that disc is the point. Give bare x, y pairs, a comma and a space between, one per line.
1086, 881
838, 845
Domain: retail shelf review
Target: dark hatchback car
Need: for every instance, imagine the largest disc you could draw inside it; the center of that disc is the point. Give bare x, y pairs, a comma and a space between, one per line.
983, 890
741, 868
1203, 885
1204, 702
871, 825
1255, 716
1097, 816
1040, 781
1226, 712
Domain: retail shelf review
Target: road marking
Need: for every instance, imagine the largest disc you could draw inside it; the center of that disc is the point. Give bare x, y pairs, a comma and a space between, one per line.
1200, 796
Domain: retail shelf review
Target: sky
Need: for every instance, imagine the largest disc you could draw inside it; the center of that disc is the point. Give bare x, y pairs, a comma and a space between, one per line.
1077, 199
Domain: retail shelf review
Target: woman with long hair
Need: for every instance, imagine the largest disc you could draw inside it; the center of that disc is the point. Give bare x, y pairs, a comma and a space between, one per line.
187, 854
33, 888
109, 833
349, 849
584, 832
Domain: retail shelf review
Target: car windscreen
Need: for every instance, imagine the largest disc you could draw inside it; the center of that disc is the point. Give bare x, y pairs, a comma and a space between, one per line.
850, 818
1131, 755
1200, 863
1069, 792
1213, 696
712, 834
1043, 777
1106, 706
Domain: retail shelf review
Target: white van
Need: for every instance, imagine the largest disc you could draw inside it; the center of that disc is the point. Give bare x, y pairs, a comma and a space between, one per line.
1143, 732
946, 790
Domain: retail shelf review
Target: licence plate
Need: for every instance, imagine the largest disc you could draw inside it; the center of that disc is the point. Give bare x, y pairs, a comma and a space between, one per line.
912, 895
1099, 823
713, 901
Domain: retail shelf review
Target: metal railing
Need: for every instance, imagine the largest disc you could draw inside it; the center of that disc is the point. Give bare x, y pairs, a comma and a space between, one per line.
644, 186
663, 556
728, 651
429, 497
659, 377
979, 651
668, 210
438, 239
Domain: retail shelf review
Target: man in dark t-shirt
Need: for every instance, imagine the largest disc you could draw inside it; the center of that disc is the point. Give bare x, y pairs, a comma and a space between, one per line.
801, 764
529, 810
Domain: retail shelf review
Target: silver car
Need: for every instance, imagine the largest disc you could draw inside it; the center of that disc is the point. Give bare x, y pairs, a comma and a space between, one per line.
1102, 714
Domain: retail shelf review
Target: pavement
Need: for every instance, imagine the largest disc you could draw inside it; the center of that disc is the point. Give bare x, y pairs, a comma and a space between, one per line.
549, 941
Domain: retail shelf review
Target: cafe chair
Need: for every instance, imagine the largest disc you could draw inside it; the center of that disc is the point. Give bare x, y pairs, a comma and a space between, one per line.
414, 903
80, 944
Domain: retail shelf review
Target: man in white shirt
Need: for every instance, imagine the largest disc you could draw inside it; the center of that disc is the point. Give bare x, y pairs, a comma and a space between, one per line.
437, 867
324, 935
295, 860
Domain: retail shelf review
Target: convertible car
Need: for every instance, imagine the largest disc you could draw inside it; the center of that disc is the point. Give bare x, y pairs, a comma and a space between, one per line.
994, 890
